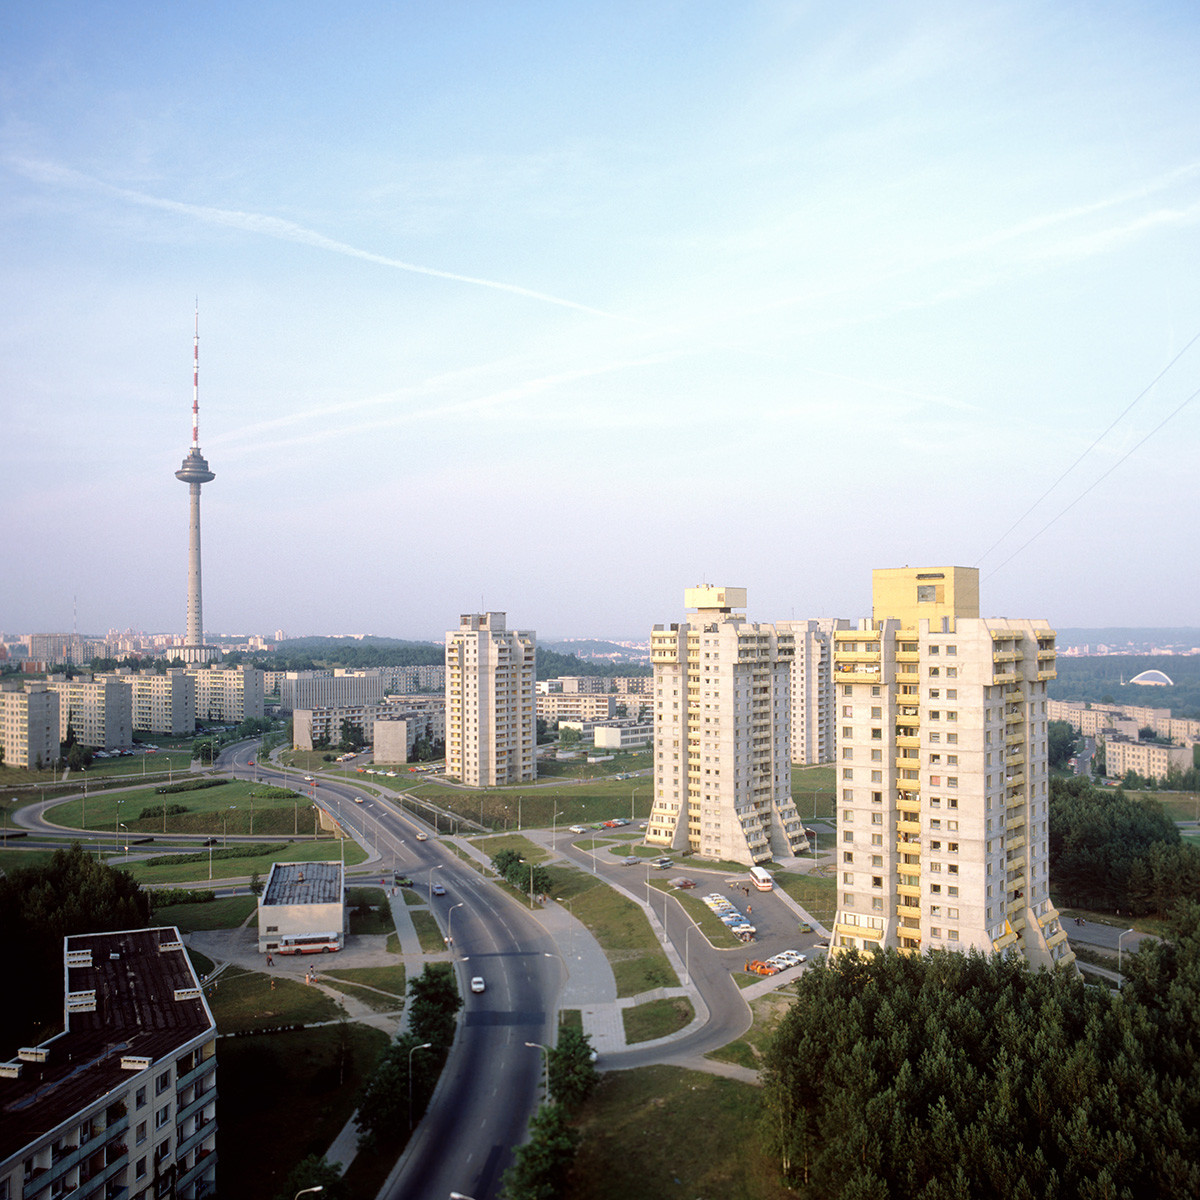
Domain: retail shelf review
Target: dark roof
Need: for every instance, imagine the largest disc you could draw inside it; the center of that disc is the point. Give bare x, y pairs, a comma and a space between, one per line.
136, 1014
304, 883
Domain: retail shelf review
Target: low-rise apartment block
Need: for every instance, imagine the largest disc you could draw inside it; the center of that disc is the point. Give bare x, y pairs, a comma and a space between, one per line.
123, 1103
162, 703
576, 706
229, 694
1151, 760
98, 710
29, 724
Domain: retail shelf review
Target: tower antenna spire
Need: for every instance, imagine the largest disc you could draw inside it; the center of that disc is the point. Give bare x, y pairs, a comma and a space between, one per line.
196, 381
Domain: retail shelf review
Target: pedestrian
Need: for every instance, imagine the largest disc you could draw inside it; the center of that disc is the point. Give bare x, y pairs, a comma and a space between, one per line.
749, 909
270, 961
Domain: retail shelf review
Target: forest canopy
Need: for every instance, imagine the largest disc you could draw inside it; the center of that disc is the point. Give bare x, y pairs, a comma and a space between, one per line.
959, 1077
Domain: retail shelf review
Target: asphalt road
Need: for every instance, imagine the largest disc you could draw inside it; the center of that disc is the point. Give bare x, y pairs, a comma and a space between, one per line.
491, 1083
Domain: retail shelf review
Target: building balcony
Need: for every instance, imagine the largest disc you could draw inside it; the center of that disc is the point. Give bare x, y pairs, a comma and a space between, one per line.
856, 656
1006, 656
908, 742
1014, 906
1007, 939
856, 674
1013, 761
1013, 824
907, 889
1056, 938
909, 847
1043, 676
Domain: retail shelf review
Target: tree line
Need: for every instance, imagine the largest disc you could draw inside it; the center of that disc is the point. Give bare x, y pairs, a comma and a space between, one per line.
965, 1077
1110, 852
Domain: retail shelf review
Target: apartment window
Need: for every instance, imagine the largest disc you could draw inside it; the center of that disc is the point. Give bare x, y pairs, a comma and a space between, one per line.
952, 869
877, 756
876, 735
952, 891
847, 794
935, 888
935, 866
877, 818
847, 710
952, 694
877, 860
847, 751
952, 781
847, 690
847, 772
140, 1134
875, 691
848, 899
847, 816
953, 826
847, 856
848, 836
952, 738
934, 736
952, 650
952, 913
934, 649
935, 758
952, 935
162, 1083
934, 715
162, 1116
952, 760
139, 1097
876, 797
934, 672
935, 910
877, 881
935, 694
951, 672
876, 776
952, 715
140, 1169
877, 839
952, 847
876, 713
935, 932
847, 732
847, 876
953, 801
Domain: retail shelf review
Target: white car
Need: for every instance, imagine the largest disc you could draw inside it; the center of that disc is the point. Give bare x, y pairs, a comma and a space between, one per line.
422, 837
477, 984
578, 829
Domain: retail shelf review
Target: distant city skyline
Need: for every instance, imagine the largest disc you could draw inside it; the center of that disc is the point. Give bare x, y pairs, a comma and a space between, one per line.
556, 311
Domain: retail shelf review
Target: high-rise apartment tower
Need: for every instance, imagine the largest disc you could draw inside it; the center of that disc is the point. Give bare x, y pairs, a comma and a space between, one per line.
195, 472
722, 750
490, 718
813, 701
942, 773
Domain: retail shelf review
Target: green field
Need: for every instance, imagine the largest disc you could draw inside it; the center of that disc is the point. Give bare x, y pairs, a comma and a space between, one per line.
621, 928
748, 1050
250, 1000
151, 874
816, 894
664, 1131
380, 988
657, 1019
285, 1096
226, 912
229, 808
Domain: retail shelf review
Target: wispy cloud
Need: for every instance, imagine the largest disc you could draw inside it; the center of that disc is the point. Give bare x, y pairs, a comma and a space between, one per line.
260, 224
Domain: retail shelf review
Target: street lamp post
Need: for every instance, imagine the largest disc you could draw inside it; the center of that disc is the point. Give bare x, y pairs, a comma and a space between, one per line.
309, 1191
423, 1046
554, 829
546, 1052
1123, 935
450, 925
126, 828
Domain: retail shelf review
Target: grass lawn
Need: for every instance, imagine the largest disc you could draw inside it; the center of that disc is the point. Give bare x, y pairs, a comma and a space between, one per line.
748, 1050
378, 920
570, 1018
621, 928
245, 1000
428, 931
381, 988
11, 860
226, 912
151, 874
666, 1132
201, 962
816, 894
813, 791
531, 852
285, 1096
217, 811
657, 1018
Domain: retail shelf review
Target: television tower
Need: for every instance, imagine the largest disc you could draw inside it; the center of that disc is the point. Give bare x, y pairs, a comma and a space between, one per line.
195, 472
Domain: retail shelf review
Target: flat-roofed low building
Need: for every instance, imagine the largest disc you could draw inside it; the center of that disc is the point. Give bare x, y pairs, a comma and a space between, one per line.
576, 706
123, 1102
1150, 760
302, 909
622, 735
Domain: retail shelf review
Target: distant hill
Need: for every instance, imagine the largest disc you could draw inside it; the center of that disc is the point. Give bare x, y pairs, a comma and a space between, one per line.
299, 654
1132, 640
590, 648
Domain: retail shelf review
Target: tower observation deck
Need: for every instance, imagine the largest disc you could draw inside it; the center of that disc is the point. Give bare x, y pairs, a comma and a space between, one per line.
194, 472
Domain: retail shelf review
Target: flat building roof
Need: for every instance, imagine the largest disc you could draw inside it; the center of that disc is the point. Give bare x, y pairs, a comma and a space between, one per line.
304, 883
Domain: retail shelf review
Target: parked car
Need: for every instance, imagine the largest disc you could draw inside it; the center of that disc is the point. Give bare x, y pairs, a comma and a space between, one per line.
632, 860
682, 884
578, 829
663, 863
477, 984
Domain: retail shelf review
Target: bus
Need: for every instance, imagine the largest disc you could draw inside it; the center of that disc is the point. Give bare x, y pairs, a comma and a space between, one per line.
761, 878
309, 943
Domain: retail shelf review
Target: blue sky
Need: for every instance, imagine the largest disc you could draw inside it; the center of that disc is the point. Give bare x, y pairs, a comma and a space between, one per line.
559, 309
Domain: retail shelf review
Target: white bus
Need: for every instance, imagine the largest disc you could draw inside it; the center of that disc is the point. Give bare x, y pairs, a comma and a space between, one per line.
309, 943
761, 878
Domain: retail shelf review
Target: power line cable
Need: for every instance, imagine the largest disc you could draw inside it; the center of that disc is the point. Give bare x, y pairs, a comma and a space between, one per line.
1091, 487
1141, 395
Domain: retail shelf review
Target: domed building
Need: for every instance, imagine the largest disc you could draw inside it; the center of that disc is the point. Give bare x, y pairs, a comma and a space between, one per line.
1153, 679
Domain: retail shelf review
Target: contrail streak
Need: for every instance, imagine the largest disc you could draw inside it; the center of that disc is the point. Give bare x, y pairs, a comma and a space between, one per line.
276, 227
